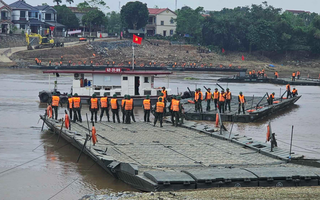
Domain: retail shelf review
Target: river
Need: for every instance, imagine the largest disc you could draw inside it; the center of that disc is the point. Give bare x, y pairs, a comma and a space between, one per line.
33, 165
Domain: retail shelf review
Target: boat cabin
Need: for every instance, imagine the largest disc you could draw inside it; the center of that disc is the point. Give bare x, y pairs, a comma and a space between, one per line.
113, 81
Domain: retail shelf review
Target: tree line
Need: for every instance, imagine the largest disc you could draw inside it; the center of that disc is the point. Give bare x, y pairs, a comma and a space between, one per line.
256, 28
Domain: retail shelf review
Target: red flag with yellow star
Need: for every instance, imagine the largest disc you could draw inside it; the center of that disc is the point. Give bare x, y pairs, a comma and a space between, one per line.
137, 39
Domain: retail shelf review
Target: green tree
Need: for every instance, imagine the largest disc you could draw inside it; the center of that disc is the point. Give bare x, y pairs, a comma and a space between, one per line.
114, 22
134, 15
66, 17
70, 1
94, 19
99, 4
190, 22
57, 1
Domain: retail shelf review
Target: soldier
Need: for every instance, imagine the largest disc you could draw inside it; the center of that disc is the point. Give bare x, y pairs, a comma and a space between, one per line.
94, 107
115, 108
293, 76
215, 97
159, 112
104, 105
146, 108
128, 107
228, 100
294, 92
70, 105
288, 91
270, 98
177, 110
222, 99
242, 101
55, 101
171, 108
208, 99
163, 100
198, 99
122, 108
77, 108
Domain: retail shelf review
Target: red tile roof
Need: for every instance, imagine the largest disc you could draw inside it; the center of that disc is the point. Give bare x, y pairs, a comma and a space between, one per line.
156, 11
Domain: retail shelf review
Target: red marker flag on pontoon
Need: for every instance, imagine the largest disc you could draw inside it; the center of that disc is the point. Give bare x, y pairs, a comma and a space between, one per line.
242, 57
137, 39
223, 50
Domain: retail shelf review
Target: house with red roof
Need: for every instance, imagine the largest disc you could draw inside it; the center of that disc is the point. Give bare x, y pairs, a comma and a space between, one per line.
161, 22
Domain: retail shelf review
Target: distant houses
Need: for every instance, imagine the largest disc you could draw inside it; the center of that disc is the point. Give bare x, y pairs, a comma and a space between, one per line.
161, 22
5, 18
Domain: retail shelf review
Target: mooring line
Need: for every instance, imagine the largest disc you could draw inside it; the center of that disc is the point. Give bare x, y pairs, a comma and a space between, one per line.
69, 184
30, 160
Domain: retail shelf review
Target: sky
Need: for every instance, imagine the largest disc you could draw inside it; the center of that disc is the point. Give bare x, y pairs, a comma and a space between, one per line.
214, 5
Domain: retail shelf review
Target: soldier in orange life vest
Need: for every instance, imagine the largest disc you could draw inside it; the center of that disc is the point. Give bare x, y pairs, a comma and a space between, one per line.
104, 105
122, 108
94, 107
171, 108
298, 74
159, 112
250, 74
115, 108
293, 76
288, 91
222, 99
276, 75
270, 98
70, 105
77, 108
146, 107
215, 97
198, 100
228, 100
208, 99
242, 101
294, 92
128, 107
165, 94
55, 101
177, 109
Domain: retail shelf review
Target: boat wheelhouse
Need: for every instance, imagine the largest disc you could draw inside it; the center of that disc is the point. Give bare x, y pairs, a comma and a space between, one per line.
112, 81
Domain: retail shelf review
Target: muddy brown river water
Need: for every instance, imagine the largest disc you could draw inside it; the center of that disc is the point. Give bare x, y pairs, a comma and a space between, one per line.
34, 166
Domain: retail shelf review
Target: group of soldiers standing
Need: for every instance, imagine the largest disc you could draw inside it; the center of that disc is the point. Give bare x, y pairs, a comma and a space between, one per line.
126, 106
221, 100
257, 74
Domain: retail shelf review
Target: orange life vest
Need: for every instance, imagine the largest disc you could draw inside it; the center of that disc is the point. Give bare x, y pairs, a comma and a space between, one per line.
122, 102
66, 122
276, 74
250, 72
228, 95
294, 74
129, 104
49, 111
94, 103
146, 104
70, 102
271, 96
209, 95
253, 72
175, 105
298, 72
104, 102
94, 136
76, 102
172, 100
241, 98
222, 97
294, 91
215, 95
160, 107
164, 92
55, 100
288, 87
114, 104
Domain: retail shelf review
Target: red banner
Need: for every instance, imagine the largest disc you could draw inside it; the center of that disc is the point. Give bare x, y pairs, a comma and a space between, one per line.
51, 28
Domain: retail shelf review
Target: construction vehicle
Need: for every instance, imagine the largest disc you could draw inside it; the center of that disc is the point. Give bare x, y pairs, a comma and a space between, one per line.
44, 42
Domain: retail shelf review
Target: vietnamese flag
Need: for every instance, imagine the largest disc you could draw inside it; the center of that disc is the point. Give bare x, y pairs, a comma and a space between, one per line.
137, 39
242, 57
223, 50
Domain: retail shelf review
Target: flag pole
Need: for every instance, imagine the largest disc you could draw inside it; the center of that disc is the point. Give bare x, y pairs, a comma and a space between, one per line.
132, 56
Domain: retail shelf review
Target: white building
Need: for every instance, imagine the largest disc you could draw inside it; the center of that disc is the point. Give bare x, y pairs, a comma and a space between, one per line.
161, 21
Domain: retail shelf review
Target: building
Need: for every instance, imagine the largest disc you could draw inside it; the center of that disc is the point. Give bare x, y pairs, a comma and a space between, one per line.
48, 16
298, 12
5, 18
36, 19
161, 22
